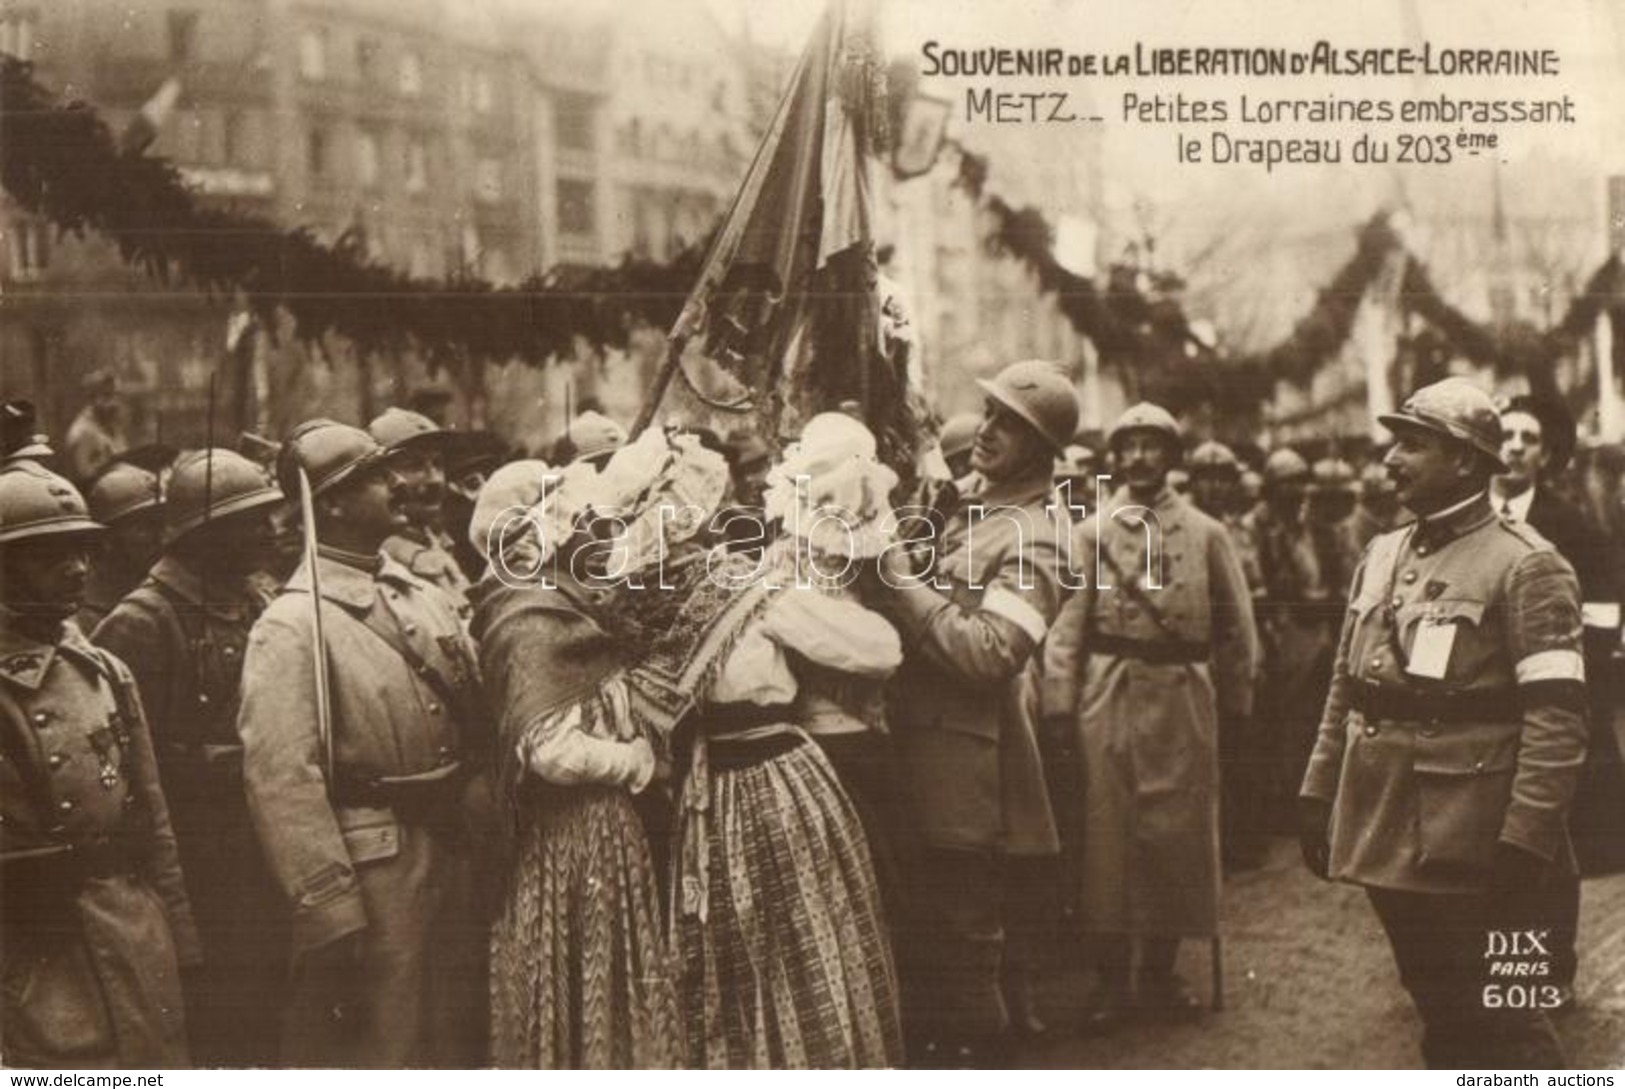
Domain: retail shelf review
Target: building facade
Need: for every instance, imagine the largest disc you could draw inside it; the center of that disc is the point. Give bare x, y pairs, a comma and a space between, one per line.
680, 126
407, 128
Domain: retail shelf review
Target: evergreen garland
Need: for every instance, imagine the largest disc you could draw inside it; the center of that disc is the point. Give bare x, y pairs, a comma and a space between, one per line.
61, 162
1148, 330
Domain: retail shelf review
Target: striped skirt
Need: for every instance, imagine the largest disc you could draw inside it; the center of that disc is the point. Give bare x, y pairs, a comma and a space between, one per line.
580, 975
792, 966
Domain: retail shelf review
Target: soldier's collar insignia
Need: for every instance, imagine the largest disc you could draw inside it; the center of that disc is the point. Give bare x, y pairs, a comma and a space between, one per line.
1433, 589
26, 668
22, 663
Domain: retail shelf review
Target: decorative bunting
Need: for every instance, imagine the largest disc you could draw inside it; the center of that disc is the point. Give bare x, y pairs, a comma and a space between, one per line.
62, 163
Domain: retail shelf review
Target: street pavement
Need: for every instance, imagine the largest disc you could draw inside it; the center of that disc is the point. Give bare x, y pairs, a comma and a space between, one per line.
1309, 983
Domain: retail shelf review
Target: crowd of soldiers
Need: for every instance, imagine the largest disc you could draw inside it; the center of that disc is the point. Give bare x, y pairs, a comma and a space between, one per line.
298, 772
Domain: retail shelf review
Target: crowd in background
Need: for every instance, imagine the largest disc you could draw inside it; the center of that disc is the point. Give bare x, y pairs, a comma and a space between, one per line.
448, 818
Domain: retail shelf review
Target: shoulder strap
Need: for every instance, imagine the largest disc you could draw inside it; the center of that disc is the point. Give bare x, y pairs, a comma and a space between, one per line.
1132, 587
390, 636
14, 742
124, 698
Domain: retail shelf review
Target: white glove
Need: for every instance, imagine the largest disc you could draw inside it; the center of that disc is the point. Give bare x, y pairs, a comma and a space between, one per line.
570, 758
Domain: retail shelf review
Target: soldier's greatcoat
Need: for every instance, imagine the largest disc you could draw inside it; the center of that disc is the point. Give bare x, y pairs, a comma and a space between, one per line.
965, 733
402, 880
95, 924
1146, 703
184, 642
969, 770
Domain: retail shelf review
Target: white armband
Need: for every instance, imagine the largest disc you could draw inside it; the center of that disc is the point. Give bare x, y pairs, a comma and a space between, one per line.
1012, 608
1552, 665
1600, 614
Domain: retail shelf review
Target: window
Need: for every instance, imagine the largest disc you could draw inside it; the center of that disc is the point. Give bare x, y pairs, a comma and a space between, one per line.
576, 214
182, 35
366, 60
183, 138
318, 146
573, 122
642, 232
313, 55
29, 247
484, 95
494, 264
411, 74
488, 181
235, 142
419, 263
17, 30
366, 159
417, 165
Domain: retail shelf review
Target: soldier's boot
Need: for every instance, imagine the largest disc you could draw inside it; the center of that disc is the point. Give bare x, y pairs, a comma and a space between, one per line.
1163, 996
1023, 1005
1111, 1002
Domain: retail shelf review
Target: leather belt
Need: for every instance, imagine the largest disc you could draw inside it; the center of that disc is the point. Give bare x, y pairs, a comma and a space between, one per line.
40, 884
1152, 651
73, 861
1390, 702
418, 798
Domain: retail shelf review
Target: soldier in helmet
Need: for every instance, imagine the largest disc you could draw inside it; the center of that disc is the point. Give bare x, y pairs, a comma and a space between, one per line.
1149, 665
1452, 739
974, 795
128, 500
1216, 492
1332, 491
95, 926
183, 632
471, 458
1297, 623
1075, 470
1379, 510
416, 453
355, 773
1215, 474
957, 438
1313, 623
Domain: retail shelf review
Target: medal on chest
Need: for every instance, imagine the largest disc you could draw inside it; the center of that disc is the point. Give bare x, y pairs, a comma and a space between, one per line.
102, 742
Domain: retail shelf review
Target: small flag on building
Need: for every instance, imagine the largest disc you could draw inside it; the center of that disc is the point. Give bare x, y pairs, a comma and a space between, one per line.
149, 122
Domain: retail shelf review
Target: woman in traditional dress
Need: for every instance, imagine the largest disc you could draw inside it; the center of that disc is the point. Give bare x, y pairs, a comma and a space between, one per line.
829, 499
785, 957
580, 974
